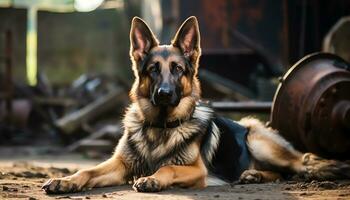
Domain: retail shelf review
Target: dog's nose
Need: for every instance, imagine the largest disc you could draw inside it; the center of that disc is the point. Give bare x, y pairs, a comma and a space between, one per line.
164, 92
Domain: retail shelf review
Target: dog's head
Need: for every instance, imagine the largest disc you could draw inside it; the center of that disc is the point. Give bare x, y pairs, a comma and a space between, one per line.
165, 74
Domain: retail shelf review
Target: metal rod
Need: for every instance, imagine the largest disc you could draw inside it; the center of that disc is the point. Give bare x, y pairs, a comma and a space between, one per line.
229, 106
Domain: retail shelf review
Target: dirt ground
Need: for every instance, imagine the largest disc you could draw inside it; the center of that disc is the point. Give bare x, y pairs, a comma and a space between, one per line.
21, 177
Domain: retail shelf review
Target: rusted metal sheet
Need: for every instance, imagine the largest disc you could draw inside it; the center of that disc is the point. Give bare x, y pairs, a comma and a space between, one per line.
312, 106
260, 20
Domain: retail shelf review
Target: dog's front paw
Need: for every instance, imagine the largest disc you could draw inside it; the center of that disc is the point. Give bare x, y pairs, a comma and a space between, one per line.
147, 184
250, 176
59, 186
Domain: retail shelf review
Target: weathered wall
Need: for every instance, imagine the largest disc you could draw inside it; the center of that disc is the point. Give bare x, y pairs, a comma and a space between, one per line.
74, 43
70, 44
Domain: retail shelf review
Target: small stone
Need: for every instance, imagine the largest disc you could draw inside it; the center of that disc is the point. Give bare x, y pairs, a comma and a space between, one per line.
32, 198
63, 197
327, 185
104, 195
5, 188
303, 186
216, 196
291, 182
87, 197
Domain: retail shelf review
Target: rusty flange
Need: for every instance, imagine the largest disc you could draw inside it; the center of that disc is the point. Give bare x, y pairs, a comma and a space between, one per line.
311, 107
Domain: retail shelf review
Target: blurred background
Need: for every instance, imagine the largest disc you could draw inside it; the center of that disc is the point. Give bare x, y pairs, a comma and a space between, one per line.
65, 69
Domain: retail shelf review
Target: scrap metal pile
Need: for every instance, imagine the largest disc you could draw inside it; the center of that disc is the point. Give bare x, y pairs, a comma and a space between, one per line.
86, 113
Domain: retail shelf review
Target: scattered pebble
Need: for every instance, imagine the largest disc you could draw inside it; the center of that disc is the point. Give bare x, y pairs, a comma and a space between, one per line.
61, 170
287, 188
327, 185
29, 174
303, 194
6, 188
2, 175
63, 197
307, 194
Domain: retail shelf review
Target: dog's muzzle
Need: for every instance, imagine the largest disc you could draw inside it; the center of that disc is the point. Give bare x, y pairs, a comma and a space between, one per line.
165, 96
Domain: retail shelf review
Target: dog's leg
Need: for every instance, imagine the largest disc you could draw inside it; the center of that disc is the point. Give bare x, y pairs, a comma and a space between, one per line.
185, 176
315, 167
257, 176
267, 146
110, 172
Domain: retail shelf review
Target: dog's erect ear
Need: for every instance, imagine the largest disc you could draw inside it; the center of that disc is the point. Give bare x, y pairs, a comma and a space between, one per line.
187, 39
142, 40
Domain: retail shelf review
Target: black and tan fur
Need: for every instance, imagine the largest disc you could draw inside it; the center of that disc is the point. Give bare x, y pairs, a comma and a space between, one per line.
171, 138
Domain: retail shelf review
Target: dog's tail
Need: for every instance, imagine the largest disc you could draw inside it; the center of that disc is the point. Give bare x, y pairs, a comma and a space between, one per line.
267, 146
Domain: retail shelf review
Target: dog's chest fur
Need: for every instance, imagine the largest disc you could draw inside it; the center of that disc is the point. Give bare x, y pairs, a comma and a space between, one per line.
146, 149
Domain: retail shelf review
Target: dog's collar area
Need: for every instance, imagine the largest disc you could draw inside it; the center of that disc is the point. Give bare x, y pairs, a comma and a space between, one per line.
179, 122
172, 124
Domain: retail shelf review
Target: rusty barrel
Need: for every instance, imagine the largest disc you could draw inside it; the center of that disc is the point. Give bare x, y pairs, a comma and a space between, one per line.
311, 107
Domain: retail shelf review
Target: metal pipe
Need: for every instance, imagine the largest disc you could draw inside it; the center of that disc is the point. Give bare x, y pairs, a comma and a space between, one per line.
229, 106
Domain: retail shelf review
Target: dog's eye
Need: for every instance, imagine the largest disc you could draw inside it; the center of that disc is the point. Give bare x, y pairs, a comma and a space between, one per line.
178, 68
153, 68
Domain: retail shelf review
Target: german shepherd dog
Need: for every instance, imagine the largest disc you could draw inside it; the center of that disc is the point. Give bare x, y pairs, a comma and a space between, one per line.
171, 138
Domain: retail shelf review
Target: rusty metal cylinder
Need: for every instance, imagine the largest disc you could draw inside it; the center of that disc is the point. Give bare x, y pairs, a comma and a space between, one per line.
311, 107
